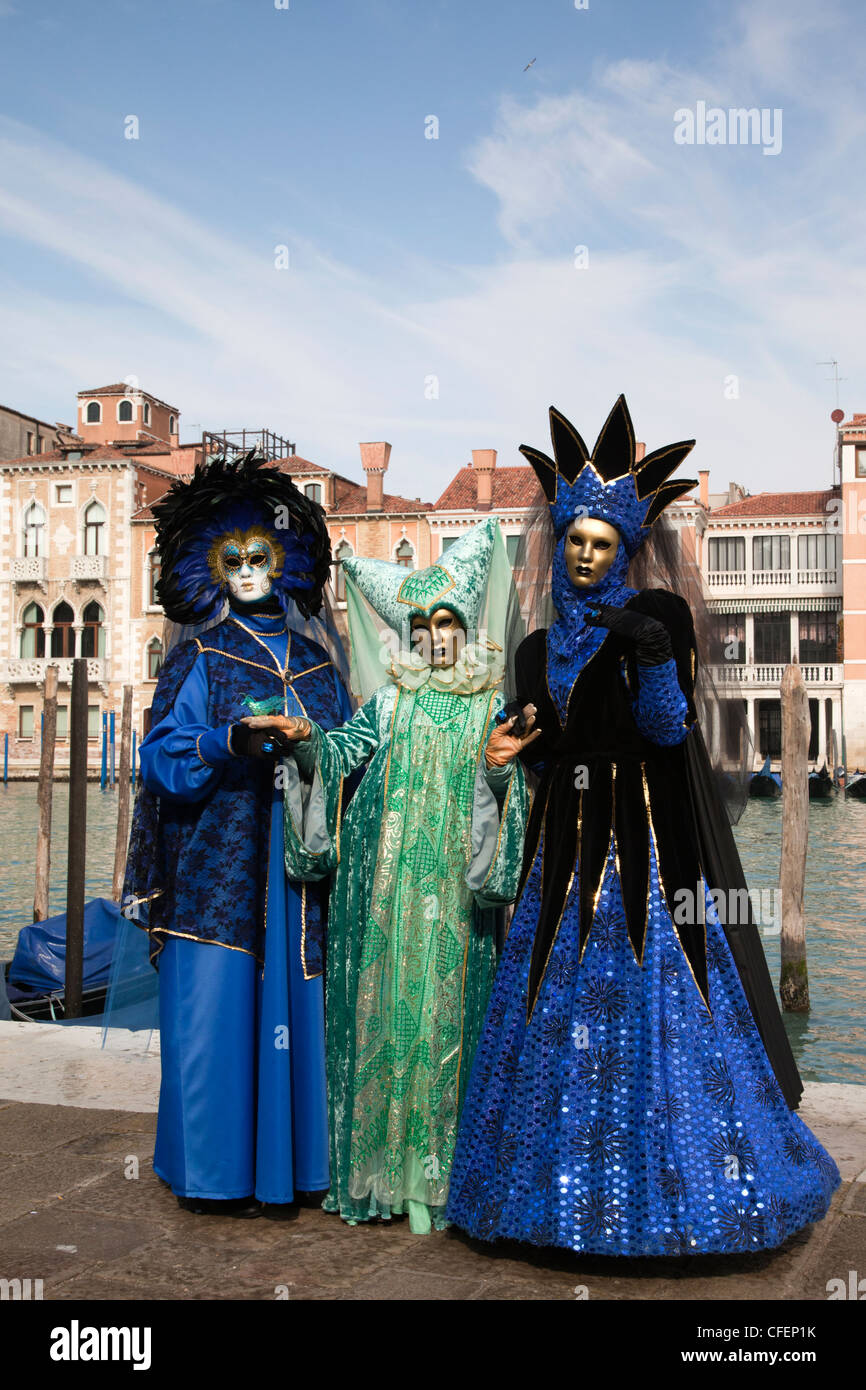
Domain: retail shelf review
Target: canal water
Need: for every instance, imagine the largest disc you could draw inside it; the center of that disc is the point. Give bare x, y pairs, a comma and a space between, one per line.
829, 1042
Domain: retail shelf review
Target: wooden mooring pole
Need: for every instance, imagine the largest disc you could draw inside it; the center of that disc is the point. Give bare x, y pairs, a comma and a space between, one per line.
123, 793
77, 840
45, 794
796, 727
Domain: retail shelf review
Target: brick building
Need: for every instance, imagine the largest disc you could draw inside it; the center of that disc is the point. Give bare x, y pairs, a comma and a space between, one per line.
784, 573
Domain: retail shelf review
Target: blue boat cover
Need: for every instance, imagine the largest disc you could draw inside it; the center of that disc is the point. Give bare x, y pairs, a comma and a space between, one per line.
39, 963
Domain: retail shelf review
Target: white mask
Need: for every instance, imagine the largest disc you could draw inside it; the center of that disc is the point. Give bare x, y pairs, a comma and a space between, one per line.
246, 562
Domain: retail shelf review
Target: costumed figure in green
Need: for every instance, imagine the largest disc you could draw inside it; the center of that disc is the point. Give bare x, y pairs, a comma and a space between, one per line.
428, 853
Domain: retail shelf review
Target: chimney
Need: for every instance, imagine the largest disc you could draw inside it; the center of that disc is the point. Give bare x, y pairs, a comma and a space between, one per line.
484, 463
374, 461
704, 487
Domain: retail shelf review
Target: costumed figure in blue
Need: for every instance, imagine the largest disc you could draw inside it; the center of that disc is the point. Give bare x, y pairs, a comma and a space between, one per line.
239, 947
633, 1089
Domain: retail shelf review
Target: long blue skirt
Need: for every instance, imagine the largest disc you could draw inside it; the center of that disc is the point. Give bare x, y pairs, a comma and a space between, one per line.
242, 1105
627, 1118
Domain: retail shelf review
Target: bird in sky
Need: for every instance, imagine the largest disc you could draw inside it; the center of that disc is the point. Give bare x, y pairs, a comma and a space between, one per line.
528, 66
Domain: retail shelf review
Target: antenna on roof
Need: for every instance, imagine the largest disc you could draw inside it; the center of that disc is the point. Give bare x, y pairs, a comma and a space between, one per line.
837, 416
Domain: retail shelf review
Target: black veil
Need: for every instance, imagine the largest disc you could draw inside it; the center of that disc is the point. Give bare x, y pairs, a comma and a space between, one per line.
664, 561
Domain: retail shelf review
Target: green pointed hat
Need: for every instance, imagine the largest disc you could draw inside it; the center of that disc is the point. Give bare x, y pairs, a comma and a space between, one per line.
458, 581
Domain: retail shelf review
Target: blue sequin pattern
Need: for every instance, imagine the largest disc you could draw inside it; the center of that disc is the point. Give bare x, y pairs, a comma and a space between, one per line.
661, 708
625, 1117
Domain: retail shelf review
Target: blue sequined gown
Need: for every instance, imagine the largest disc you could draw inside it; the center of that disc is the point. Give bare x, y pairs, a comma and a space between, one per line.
626, 1117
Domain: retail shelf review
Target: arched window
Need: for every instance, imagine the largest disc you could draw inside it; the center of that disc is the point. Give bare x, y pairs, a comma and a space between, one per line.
125, 411
405, 555
147, 412
343, 551
63, 634
314, 492
172, 424
154, 658
32, 635
94, 527
94, 413
154, 565
34, 522
93, 636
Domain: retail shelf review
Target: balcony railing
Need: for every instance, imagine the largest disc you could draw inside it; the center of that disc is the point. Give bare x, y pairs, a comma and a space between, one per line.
817, 577
30, 670
732, 579
28, 568
813, 580
771, 576
88, 567
823, 673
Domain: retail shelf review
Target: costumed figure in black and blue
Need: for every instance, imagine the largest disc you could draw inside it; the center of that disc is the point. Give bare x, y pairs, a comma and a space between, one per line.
239, 947
633, 1090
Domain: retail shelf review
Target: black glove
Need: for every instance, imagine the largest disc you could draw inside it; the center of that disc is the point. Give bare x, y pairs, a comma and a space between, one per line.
258, 743
514, 707
651, 639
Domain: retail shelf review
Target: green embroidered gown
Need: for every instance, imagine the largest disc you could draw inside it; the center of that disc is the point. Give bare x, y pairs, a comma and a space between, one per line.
429, 849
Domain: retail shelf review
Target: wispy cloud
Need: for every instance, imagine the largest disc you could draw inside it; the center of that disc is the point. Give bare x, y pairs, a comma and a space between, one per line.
703, 264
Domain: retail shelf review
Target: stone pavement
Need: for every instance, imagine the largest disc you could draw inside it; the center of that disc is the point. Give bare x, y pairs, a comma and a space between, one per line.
81, 1209
73, 1214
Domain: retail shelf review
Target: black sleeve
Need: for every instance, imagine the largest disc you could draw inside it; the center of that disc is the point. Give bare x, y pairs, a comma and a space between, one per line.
673, 611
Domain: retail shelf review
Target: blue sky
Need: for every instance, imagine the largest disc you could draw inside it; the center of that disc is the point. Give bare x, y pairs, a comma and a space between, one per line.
450, 259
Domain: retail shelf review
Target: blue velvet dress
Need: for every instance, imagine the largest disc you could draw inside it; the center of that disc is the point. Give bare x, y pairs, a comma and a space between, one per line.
242, 1106
622, 1114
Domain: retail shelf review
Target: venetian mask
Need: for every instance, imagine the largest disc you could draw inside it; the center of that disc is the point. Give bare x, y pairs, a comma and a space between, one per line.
590, 550
439, 639
245, 562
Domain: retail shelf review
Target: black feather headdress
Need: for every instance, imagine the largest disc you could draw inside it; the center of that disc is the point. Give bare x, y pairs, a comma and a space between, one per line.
227, 494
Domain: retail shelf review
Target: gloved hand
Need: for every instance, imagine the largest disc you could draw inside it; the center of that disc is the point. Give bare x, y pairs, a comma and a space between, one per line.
258, 743
651, 639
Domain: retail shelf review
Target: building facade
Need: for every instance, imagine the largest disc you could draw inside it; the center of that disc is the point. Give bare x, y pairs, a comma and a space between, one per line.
784, 573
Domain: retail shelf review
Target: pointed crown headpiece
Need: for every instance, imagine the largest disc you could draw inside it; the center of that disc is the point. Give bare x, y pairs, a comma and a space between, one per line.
609, 483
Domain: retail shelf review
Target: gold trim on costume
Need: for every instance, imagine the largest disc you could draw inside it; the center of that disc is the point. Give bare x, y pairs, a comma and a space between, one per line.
655, 848
202, 760
391, 744
576, 679
248, 630
462, 1016
530, 1006
503, 813
310, 669
205, 940
483, 742
413, 603
230, 656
